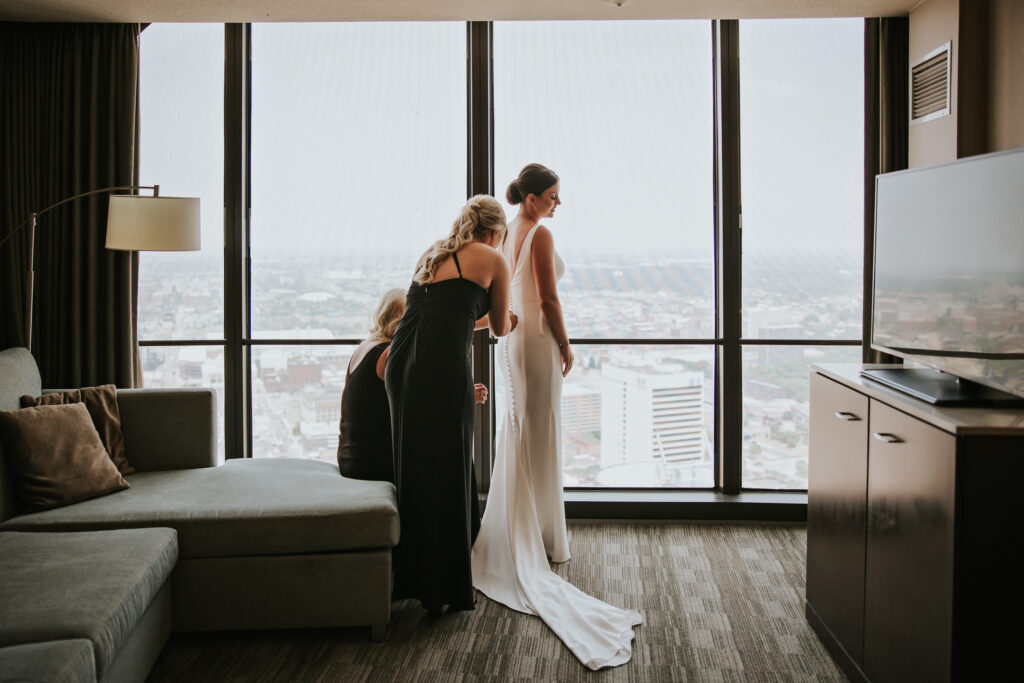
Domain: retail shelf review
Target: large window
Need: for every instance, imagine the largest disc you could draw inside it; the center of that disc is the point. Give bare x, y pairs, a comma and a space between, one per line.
181, 295
801, 128
623, 112
356, 160
358, 164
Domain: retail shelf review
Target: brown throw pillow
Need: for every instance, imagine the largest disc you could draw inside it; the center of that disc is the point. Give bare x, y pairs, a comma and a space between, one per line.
101, 402
55, 456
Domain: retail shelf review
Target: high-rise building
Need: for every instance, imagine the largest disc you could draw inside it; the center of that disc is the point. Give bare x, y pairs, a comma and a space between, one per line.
651, 414
581, 410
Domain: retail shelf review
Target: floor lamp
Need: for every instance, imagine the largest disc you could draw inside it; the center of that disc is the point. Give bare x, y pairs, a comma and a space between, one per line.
134, 223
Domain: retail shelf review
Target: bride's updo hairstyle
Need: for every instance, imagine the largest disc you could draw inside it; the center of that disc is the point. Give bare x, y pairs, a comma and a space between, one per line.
533, 179
481, 215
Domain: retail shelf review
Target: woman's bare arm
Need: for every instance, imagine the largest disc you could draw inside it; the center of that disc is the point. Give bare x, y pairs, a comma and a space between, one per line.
382, 361
543, 261
483, 323
498, 317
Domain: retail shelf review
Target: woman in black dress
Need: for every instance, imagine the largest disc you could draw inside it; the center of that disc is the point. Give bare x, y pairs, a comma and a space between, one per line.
364, 433
430, 387
364, 437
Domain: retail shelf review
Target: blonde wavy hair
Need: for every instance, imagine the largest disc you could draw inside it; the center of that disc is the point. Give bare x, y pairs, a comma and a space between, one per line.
389, 311
481, 215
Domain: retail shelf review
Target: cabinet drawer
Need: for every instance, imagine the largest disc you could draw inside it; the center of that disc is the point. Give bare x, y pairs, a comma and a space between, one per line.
837, 510
909, 569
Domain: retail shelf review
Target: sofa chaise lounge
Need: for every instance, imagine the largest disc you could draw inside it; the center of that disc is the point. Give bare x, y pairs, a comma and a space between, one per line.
259, 543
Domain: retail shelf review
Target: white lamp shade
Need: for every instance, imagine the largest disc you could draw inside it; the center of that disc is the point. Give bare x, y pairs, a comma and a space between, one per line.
137, 223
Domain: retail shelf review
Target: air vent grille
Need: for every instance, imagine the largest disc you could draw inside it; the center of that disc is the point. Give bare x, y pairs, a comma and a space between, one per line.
930, 86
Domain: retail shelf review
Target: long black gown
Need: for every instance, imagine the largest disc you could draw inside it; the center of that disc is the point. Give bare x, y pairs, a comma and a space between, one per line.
364, 432
430, 388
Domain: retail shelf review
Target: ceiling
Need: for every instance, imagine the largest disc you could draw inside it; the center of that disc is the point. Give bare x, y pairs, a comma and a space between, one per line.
222, 11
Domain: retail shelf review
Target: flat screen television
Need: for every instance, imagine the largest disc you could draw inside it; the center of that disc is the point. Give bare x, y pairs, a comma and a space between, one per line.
948, 288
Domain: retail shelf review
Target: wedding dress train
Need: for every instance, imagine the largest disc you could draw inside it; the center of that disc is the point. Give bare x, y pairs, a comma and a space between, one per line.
524, 521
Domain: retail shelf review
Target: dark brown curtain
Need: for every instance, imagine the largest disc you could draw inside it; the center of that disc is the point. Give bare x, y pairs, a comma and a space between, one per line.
886, 121
69, 112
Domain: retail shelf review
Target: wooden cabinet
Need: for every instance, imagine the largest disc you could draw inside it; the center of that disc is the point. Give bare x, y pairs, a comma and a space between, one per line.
911, 521
837, 493
909, 559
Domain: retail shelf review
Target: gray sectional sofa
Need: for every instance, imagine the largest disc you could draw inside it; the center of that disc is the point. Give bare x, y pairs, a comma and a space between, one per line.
256, 543
88, 606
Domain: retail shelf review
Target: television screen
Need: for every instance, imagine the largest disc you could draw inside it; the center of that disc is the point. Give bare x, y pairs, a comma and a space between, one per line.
949, 268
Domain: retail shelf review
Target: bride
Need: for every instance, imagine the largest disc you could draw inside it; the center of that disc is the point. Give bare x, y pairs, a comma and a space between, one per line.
524, 521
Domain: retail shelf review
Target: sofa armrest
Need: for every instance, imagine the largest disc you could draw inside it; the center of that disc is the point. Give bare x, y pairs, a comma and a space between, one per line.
168, 429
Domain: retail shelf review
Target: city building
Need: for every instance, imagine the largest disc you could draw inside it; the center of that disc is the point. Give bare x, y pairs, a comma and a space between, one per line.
651, 415
581, 410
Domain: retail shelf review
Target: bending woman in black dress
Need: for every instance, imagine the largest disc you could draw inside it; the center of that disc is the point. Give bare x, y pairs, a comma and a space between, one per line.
430, 387
364, 432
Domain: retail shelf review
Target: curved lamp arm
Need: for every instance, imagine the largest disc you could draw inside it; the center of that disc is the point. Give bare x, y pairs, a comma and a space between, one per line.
31, 221
36, 214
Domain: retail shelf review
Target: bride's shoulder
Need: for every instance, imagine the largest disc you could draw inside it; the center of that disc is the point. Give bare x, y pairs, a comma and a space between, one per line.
543, 237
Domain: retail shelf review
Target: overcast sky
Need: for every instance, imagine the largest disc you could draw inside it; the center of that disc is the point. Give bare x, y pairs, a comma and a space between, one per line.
359, 131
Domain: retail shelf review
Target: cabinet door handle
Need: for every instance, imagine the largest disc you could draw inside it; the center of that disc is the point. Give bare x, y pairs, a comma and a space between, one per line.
849, 417
886, 437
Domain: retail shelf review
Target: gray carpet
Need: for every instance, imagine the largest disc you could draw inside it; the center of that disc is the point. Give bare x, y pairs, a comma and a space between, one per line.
720, 603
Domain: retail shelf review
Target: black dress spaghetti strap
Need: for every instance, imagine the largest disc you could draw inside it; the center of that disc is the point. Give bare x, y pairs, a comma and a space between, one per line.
429, 382
364, 441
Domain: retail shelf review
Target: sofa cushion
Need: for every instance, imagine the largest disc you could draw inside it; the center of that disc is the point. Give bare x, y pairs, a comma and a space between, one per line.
257, 506
101, 402
56, 661
55, 456
93, 585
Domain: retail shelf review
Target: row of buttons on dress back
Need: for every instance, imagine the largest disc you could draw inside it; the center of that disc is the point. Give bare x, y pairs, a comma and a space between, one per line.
510, 383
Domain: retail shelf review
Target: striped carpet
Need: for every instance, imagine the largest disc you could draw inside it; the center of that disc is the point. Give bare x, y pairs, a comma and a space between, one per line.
721, 602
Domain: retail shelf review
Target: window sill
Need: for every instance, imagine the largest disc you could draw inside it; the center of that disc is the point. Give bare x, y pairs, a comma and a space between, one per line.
773, 506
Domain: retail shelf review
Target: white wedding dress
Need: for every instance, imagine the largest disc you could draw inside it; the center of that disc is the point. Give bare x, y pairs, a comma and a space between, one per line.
524, 521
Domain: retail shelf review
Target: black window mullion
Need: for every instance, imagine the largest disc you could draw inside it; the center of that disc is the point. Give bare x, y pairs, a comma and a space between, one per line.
480, 105
237, 390
480, 180
728, 243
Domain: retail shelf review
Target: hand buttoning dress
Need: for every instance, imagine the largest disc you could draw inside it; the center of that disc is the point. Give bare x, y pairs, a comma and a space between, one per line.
524, 521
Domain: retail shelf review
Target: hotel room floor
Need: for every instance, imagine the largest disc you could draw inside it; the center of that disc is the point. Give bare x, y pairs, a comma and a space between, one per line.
721, 602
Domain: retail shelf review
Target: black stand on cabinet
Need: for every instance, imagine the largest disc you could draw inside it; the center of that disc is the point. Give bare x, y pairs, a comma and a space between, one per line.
940, 388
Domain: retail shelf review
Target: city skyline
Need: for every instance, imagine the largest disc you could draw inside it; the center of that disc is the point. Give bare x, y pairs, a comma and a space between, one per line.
295, 386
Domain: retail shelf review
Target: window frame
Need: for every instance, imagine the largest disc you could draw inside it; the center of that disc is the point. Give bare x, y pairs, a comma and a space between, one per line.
728, 499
